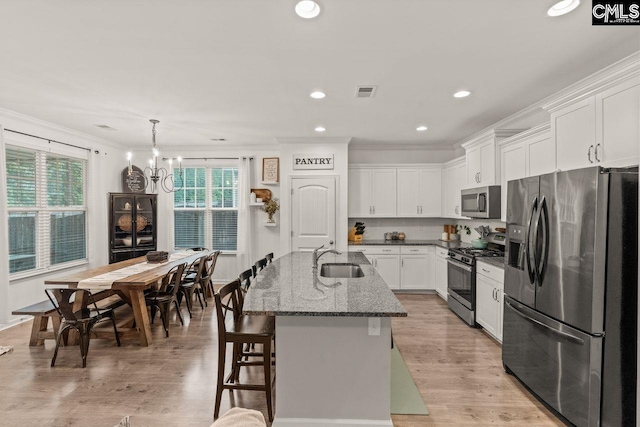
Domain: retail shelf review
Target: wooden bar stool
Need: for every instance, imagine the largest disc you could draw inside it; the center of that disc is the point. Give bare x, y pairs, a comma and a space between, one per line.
241, 330
269, 257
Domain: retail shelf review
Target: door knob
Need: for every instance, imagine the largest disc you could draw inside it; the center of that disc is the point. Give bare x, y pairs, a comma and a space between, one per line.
331, 242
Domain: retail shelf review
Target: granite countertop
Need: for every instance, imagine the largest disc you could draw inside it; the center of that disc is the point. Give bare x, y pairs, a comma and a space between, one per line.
290, 287
440, 243
496, 262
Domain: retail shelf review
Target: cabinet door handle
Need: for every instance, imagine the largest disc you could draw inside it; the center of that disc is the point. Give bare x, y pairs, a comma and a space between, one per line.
402, 261
589, 153
596, 153
498, 295
494, 294
485, 270
374, 210
479, 177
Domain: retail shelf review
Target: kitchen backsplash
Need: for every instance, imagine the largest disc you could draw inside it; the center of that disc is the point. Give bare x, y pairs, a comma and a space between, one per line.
418, 228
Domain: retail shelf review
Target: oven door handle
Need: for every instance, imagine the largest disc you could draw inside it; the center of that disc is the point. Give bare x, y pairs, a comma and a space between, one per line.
458, 264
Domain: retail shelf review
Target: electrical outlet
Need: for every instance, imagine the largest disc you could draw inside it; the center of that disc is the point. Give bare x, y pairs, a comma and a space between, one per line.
374, 326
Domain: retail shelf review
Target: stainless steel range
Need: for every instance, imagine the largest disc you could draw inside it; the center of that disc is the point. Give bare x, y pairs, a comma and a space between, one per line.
461, 281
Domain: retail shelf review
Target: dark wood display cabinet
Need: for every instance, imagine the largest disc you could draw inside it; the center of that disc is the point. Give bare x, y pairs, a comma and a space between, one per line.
132, 225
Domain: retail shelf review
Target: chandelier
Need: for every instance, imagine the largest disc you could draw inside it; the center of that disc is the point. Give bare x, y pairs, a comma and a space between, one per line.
155, 176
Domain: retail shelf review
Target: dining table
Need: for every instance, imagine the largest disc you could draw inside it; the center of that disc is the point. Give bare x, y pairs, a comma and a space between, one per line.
130, 288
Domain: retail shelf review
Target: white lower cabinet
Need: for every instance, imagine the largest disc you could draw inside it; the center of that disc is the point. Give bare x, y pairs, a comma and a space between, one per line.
489, 296
441, 272
386, 261
403, 268
417, 267
388, 267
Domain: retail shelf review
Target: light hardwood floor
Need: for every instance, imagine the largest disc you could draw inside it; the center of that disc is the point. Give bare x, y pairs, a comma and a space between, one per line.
457, 369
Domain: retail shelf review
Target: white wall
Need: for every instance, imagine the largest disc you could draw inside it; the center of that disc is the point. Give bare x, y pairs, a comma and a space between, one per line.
314, 146
389, 154
103, 176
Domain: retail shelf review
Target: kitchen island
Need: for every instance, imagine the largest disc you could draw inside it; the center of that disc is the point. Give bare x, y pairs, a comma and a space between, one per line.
333, 341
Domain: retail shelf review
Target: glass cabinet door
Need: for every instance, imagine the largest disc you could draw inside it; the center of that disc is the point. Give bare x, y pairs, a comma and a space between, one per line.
123, 211
145, 227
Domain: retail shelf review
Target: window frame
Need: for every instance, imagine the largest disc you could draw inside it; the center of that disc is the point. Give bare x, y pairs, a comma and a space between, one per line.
208, 208
43, 211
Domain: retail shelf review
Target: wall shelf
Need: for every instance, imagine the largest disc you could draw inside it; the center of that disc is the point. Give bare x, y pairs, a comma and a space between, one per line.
256, 204
270, 224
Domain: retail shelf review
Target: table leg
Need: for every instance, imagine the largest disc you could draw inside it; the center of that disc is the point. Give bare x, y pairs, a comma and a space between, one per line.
39, 324
141, 316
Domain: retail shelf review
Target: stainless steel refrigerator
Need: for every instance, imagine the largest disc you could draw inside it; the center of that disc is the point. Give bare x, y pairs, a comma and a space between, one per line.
571, 278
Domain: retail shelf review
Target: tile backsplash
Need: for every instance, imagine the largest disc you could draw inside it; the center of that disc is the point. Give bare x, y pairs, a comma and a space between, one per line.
418, 228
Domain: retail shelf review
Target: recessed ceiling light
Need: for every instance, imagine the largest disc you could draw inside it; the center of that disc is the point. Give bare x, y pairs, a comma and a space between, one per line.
318, 94
320, 129
461, 94
307, 9
421, 128
563, 7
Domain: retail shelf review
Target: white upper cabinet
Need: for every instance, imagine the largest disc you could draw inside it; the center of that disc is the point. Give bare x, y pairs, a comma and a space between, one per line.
383, 192
598, 124
360, 193
454, 178
481, 157
618, 124
372, 192
420, 192
574, 130
528, 153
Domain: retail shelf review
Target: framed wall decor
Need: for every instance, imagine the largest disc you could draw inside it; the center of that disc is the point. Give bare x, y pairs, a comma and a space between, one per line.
270, 170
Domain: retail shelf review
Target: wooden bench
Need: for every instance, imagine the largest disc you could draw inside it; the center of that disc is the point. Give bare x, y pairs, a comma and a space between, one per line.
44, 310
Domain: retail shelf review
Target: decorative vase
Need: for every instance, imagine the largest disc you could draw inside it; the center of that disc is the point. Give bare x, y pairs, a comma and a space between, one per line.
270, 219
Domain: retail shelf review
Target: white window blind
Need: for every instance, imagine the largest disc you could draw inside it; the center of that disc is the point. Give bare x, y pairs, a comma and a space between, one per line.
206, 209
46, 205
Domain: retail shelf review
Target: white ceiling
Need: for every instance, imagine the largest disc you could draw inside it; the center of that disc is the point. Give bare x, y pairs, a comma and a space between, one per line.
243, 69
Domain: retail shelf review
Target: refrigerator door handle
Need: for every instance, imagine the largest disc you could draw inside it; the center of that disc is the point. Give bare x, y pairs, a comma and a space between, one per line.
528, 252
542, 257
565, 335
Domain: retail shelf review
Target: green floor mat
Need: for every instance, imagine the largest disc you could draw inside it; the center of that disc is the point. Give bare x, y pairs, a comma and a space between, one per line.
405, 397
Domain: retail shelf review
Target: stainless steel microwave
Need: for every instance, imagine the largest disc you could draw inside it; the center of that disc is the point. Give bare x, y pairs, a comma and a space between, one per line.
481, 202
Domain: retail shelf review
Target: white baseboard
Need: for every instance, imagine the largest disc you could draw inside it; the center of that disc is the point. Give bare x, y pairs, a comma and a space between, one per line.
329, 422
15, 322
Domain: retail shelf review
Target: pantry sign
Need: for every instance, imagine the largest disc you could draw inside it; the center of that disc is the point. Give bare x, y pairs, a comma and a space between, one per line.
312, 162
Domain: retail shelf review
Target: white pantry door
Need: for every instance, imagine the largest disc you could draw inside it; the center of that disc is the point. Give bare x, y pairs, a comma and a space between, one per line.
313, 213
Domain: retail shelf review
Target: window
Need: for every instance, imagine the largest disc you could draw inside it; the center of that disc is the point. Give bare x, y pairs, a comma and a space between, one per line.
206, 209
46, 209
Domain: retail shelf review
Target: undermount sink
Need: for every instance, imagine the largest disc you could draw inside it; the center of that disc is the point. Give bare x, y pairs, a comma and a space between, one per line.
341, 270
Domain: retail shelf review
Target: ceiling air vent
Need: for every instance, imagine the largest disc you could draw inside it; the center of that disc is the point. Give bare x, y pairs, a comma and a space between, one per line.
105, 127
366, 91
219, 139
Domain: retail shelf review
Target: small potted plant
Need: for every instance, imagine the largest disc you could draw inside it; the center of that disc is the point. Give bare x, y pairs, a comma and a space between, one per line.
458, 229
271, 207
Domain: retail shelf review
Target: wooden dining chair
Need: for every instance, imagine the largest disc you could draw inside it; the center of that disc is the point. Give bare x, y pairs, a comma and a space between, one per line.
206, 281
239, 330
82, 320
166, 295
190, 283
269, 257
245, 283
261, 264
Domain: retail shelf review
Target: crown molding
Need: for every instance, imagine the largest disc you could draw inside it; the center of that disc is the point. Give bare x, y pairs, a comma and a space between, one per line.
625, 69
455, 162
84, 137
401, 146
529, 133
491, 134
